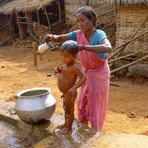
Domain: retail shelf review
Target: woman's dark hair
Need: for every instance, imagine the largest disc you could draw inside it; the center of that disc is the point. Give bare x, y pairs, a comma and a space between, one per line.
89, 13
70, 46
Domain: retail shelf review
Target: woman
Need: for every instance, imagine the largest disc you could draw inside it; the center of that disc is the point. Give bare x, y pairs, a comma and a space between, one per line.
94, 47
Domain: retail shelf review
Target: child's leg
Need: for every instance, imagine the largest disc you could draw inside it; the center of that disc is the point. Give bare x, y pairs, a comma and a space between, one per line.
64, 107
69, 113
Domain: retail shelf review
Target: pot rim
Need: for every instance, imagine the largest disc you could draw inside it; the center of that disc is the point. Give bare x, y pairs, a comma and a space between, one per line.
31, 89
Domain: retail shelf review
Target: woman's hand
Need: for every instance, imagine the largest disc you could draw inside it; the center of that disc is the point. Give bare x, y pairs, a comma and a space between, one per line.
45, 38
49, 37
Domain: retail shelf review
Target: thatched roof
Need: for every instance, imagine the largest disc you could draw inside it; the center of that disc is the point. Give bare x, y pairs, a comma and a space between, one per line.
8, 7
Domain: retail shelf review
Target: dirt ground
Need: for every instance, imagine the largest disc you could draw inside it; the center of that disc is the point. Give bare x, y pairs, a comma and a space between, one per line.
17, 72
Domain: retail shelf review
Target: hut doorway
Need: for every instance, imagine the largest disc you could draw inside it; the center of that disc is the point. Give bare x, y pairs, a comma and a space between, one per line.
51, 16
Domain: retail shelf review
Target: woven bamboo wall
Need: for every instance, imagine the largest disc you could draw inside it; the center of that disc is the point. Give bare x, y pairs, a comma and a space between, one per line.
129, 18
71, 6
105, 10
131, 2
4, 29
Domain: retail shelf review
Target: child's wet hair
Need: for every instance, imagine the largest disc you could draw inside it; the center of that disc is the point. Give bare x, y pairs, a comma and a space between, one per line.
89, 13
70, 46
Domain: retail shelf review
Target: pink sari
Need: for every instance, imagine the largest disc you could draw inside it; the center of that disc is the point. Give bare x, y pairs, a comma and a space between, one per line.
93, 96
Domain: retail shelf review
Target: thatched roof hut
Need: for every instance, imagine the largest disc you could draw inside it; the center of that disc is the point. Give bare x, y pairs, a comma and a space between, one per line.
8, 6
36, 10
33, 15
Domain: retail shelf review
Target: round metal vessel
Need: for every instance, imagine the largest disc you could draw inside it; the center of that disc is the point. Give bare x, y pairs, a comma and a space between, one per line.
35, 105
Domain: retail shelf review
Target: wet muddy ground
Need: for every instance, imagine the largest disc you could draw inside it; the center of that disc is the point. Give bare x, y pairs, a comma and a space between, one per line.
8, 136
17, 73
42, 135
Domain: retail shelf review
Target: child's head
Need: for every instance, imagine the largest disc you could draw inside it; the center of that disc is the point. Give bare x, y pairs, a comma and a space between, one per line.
69, 51
70, 46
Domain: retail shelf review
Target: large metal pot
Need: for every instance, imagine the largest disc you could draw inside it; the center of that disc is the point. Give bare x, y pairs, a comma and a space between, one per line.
35, 105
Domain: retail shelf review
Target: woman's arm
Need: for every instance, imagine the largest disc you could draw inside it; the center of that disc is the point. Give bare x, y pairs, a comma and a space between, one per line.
55, 38
104, 47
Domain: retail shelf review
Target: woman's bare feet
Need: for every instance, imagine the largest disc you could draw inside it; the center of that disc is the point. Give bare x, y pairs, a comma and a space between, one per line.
64, 131
61, 126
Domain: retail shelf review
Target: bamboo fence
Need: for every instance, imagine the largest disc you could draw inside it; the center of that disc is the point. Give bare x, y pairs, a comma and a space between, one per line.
128, 20
131, 37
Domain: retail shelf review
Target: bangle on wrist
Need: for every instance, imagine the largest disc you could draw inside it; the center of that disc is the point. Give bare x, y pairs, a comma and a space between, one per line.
81, 47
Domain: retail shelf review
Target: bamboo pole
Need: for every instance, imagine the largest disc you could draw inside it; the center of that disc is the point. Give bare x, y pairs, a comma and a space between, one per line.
34, 46
10, 25
139, 27
59, 8
132, 36
114, 53
47, 19
108, 25
21, 29
121, 57
30, 28
113, 84
124, 66
38, 17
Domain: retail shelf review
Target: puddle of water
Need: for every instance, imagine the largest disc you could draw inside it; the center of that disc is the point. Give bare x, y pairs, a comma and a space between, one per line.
79, 135
8, 136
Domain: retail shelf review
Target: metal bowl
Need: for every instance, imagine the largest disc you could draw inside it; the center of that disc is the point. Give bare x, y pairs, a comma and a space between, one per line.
35, 105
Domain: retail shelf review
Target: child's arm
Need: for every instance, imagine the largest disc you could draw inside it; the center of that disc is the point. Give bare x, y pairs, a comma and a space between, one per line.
78, 71
57, 70
13, 98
